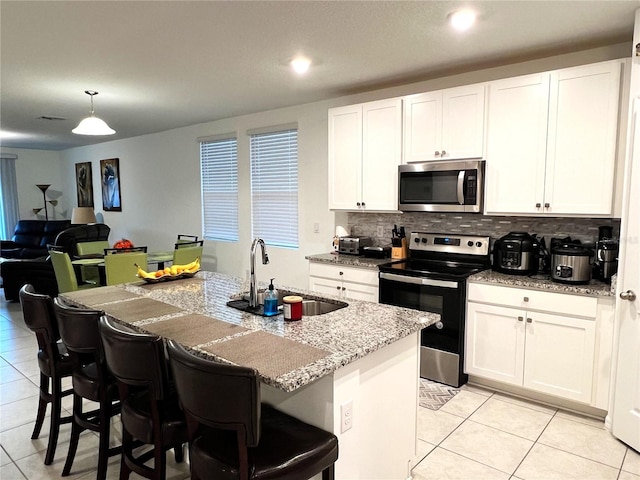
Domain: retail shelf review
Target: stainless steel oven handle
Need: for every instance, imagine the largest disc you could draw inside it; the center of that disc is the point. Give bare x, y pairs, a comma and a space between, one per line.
461, 187
418, 281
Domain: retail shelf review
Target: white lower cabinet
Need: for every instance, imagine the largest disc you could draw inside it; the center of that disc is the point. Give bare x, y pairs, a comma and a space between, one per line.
515, 341
346, 282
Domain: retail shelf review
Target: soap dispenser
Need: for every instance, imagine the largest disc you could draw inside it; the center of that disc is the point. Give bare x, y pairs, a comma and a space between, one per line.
271, 300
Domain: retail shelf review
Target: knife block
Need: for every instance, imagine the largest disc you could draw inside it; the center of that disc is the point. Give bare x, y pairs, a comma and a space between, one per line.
399, 249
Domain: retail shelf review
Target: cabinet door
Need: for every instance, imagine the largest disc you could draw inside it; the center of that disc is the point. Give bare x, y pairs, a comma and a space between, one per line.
422, 127
516, 144
581, 149
559, 356
359, 291
381, 153
345, 157
463, 122
495, 342
325, 286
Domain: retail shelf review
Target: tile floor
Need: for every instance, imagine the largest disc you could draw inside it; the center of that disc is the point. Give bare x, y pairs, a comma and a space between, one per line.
479, 434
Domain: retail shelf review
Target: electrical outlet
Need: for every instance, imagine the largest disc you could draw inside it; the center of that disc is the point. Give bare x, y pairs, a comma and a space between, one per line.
380, 231
316, 227
346, 416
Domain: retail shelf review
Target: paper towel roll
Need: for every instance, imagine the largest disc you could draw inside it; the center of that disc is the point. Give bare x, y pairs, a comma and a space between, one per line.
341, 231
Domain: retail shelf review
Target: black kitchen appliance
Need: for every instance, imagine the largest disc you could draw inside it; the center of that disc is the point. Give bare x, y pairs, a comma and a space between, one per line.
571, 262
516, 253
433, 279
353, 245
605, 264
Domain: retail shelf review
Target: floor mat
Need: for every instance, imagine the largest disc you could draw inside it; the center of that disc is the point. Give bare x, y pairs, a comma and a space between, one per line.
434, 395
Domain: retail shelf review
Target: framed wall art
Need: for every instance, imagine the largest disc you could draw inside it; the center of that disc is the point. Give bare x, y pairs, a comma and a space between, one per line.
84, 184
110, 180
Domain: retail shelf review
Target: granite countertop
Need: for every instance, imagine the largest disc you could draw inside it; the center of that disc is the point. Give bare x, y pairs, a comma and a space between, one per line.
287, 355
543, 282
348, 260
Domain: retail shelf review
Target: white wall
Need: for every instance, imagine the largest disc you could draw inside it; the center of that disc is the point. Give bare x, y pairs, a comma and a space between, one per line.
160, 182
41, 167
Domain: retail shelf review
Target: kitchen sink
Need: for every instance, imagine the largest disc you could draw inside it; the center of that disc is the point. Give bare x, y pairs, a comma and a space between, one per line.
310, 306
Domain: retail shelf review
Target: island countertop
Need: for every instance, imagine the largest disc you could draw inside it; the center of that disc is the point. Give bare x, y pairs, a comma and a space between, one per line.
287, 355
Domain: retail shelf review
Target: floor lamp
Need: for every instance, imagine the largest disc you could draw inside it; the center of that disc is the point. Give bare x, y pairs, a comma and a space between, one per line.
44, 188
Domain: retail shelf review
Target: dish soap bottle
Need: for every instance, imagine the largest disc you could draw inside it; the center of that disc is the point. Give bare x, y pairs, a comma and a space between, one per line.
271, 301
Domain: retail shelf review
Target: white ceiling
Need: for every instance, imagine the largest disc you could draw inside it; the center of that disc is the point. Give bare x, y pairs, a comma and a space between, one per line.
159, 65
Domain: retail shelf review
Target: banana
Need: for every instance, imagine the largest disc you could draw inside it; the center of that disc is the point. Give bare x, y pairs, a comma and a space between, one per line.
190, 266
142, 273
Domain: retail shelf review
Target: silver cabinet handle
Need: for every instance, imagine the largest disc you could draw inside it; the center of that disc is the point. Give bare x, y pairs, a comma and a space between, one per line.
437, 154
628, 295
520, 319
363, 204
338, 288
529, 320
538, 205
344, 288
444, 152
547, 205
341, 273
526, 299
358, 204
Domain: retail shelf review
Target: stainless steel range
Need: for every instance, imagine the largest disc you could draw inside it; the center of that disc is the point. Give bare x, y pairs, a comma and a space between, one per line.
433, 279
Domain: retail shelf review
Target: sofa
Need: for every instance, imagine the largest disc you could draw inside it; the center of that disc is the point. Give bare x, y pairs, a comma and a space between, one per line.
31, 237
39, 271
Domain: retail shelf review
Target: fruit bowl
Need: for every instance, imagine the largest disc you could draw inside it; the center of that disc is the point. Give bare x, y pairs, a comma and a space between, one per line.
168, 277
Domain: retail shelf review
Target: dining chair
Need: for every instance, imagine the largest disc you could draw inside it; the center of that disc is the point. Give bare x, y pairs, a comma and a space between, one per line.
120, 267
53, 362
233, 435
65, 274
186, 238
187, 252
91, 381
150, 409
95, 249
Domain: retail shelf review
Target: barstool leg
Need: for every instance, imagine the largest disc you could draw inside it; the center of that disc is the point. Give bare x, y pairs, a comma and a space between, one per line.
56, 405
76, 430
105, 424
42, 405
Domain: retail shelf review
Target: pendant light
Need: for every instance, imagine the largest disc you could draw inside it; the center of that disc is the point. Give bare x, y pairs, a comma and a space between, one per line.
93, 125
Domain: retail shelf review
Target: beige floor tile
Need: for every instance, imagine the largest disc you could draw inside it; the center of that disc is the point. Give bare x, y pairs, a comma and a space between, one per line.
546, 463
512, 418
525, 403
10, 472
584, 440
18, 413
10, 330
434, 426
17, 343
489, 446
631, 462
464, 403
4, 457
18, 444
441, 464
20, 355
628, 476
576, 417
9, 374
17, 390
479, 389
422, 450
29, 369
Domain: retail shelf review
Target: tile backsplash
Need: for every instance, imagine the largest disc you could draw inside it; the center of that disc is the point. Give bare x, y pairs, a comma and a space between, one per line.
583, 229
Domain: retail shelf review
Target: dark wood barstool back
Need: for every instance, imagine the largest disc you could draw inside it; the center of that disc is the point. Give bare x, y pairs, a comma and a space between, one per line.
91, 381
53, 362
232, 435
150, 411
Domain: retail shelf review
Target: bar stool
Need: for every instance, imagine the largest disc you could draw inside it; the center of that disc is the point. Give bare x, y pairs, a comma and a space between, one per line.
91, 380
53, 361
233, 435
149, 404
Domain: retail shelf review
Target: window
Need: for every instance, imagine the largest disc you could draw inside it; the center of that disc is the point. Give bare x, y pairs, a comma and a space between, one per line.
274, 187
9, 213
219, 173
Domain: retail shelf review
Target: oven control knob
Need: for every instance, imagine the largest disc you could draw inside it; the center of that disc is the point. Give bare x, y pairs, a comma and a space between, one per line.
470, 243
439, 325
424, 240
478, 244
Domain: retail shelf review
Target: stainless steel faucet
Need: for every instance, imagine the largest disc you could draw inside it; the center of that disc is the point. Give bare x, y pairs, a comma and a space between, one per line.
253, 293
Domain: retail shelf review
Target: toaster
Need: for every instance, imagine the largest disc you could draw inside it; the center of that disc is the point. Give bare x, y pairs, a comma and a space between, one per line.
353, 245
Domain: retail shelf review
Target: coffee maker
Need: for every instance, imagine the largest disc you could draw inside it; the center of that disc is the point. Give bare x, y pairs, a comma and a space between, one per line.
606, 261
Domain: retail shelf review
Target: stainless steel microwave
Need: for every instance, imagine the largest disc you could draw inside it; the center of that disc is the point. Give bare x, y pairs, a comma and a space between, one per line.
441, 186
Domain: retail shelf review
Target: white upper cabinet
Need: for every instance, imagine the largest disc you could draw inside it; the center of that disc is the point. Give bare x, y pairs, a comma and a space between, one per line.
445, 124
365, 146
551, 144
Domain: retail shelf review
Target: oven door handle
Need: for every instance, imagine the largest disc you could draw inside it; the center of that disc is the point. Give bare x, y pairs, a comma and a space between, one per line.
430, 282
461, 176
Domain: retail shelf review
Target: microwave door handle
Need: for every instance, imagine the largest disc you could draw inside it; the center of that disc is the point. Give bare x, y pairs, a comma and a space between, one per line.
418, 280
461, 176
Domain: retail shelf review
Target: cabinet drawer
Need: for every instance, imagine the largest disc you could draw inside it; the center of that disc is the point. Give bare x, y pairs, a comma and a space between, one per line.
560, 303
368, 276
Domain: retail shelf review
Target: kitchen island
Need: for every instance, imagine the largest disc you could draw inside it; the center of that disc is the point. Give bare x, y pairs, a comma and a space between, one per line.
362, 358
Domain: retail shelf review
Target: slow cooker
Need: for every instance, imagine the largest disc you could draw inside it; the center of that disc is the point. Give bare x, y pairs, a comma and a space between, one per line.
571, 263
516, 253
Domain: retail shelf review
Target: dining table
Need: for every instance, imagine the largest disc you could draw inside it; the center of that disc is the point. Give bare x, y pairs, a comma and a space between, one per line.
158, 258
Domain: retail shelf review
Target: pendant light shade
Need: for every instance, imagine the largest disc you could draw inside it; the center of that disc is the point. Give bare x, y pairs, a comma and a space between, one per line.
93, 125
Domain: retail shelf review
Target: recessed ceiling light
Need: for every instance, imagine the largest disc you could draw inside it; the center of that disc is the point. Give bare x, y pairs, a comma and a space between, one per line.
463, 19
300, 65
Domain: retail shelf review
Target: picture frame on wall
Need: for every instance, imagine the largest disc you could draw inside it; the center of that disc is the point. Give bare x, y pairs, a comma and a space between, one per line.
84, 184
110, 180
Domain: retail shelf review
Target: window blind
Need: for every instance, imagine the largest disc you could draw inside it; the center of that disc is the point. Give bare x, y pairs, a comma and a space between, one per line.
219, 174
274, 187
